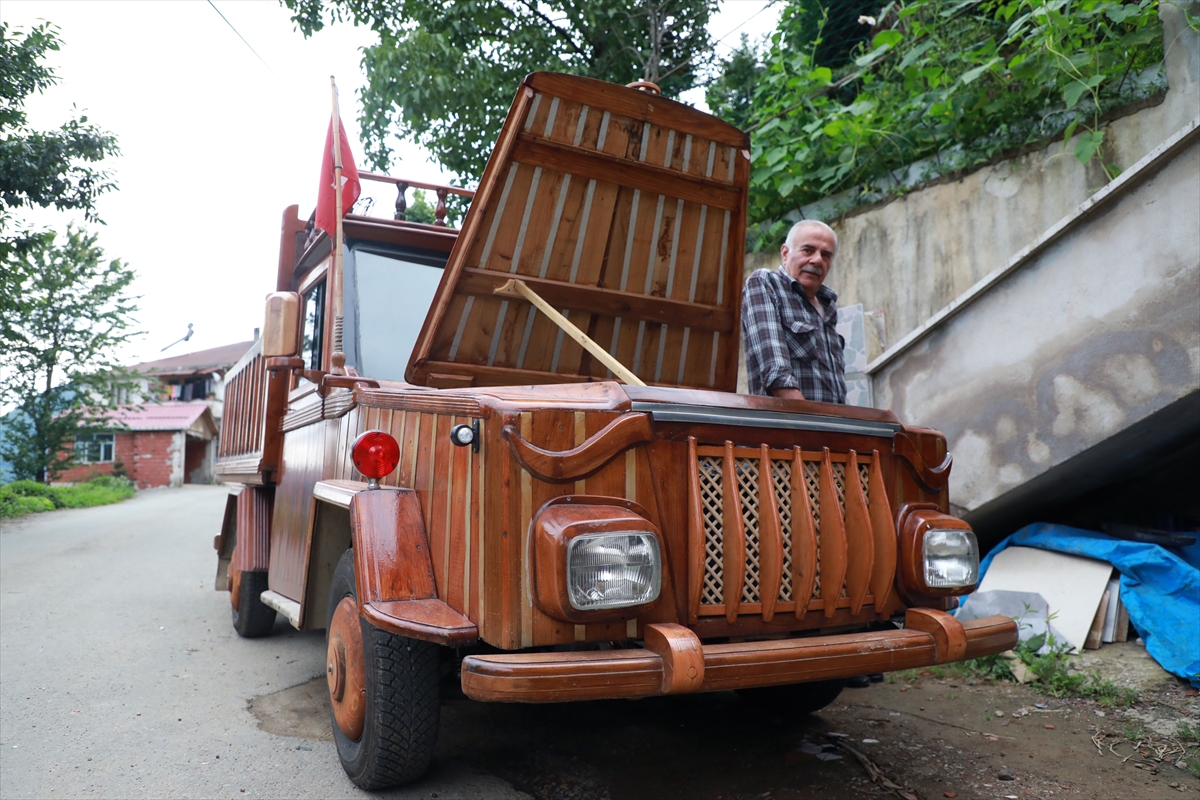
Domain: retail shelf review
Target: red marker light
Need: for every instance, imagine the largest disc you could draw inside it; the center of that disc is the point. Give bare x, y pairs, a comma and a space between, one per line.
375, 454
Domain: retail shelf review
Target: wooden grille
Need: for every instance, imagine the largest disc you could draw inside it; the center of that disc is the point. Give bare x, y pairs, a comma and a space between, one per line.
828, 516
245, 406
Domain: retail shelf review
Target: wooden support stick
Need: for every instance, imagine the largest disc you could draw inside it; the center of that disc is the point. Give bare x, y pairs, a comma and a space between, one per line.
338, 357
517, 288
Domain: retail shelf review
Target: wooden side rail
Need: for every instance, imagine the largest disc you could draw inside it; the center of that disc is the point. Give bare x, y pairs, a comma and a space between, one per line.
610, 674
249, 446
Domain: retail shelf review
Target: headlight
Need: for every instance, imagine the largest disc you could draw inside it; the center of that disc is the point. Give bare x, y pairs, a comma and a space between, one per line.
951, 558
613, 570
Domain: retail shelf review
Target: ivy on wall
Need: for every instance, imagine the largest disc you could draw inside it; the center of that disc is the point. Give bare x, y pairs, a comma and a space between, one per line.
938, 86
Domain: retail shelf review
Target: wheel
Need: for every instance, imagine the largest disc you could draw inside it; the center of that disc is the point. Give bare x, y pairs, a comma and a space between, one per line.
794, 699
251, 619
384, 692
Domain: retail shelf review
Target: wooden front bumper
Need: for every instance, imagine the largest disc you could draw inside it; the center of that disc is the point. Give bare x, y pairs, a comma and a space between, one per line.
929, 637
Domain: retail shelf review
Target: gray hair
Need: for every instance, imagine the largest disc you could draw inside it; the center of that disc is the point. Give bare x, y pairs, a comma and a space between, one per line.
794, 231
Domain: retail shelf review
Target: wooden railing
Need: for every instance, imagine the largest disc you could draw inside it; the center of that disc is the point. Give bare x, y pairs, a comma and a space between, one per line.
249, 446
402, 185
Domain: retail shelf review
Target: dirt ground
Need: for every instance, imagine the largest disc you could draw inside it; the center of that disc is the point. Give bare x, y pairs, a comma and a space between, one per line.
916, 735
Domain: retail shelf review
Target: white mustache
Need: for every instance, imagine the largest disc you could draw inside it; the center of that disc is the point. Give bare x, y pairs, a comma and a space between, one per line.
811, 270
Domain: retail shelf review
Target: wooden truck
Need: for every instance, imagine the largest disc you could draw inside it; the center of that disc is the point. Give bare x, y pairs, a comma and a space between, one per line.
515, 453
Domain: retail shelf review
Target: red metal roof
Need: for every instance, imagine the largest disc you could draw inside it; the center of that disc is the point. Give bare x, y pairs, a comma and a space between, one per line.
165, 417
200, 361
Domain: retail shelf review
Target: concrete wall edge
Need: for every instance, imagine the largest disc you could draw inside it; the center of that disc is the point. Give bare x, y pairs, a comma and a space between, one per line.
1127, 181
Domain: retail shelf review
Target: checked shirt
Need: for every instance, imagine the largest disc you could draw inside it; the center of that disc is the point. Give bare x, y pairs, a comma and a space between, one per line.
788, 344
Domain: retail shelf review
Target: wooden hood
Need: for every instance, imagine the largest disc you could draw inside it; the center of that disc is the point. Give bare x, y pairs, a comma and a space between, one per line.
624, 210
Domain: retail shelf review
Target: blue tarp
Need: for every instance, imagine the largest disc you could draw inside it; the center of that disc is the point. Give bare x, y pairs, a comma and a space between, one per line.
1159, 588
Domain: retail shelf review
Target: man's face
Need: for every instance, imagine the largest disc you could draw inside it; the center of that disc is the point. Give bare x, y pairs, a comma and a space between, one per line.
811, 258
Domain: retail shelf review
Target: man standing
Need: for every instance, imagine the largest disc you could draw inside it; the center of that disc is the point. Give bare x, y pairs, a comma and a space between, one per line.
789, 321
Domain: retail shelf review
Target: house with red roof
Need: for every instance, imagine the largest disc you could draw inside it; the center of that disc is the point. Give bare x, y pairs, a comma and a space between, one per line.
166, 433
155, 445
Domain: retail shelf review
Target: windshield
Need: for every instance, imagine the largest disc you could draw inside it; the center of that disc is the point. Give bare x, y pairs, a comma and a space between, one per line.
390, 295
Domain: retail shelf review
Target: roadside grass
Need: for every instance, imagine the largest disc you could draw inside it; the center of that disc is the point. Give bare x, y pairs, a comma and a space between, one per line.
30, 497
1054, 676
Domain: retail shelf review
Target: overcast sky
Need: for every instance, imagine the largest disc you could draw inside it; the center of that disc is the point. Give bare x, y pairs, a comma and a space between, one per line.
215, 143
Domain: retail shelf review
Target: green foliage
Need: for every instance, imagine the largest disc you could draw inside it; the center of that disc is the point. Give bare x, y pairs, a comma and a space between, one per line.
444, 70
43, 168
30, 497
64, 311
420, 210
950, 84
1188, 733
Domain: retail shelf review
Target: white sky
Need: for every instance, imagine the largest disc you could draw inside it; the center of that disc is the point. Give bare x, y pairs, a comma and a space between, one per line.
215, 144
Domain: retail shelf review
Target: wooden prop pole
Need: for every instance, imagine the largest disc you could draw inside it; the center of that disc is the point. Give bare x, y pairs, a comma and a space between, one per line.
517, 288
338, 358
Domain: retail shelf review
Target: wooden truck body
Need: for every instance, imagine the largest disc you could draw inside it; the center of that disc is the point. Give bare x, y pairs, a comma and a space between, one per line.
786, 539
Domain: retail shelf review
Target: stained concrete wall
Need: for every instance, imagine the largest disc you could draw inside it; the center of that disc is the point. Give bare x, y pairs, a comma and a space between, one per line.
1090, 334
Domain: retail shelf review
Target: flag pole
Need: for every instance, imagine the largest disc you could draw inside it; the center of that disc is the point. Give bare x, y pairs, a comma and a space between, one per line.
338, 357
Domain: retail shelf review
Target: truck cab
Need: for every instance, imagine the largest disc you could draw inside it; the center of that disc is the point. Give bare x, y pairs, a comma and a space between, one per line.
518, 453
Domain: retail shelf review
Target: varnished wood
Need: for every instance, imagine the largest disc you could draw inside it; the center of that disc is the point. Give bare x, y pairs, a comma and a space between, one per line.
907, 448
695, 535
883, 526
578, 462
391, 550
860, 538
948, 632
601, 167
804, 539
770, 538
558, 677
484, 283
734, 536
682, 657
428, 619
833, 539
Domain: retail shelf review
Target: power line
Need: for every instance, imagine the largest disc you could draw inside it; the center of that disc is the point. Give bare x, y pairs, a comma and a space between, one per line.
243, 38
687, 61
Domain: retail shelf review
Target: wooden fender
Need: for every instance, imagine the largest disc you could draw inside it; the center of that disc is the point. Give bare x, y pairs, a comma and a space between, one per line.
394, 572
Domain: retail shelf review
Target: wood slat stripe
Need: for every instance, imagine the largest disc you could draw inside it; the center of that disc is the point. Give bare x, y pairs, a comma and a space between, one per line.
833, 539
860, 540
541, 153
883, 574
695, 534
804, 539
734, 536
770, 538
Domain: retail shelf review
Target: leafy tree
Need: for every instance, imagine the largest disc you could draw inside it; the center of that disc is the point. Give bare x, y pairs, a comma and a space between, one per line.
43, 168
952, 83
444, 71
64, 311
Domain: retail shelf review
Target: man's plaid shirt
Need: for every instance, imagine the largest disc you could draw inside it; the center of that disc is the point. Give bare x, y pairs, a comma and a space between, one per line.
788, 344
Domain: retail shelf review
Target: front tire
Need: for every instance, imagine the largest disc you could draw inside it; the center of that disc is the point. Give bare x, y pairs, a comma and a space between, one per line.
397, 722
251, 619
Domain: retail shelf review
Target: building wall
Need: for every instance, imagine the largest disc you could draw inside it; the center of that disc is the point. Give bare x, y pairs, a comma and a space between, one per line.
151, 459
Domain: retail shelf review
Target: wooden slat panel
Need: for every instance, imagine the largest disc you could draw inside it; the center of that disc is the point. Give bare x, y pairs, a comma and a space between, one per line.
734, 544
804, 539
883, 574
833, 540
695, 537
652, 180
770, 538
860, 540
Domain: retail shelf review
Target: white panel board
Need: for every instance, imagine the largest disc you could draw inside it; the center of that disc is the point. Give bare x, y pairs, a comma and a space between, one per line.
1071, 585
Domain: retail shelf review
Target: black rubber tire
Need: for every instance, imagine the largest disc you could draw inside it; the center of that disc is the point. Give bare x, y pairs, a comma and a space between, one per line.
794, 699
252, 619
403, 701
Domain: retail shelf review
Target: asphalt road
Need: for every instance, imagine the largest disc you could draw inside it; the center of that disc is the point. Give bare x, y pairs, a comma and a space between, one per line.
120, 675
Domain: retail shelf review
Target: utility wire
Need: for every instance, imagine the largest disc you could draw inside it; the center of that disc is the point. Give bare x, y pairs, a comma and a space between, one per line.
684, 63
243, 38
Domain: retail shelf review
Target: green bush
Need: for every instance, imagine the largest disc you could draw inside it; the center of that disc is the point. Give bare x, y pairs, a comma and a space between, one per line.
29, 497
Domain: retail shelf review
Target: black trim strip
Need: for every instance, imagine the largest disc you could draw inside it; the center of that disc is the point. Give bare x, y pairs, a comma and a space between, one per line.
661, 412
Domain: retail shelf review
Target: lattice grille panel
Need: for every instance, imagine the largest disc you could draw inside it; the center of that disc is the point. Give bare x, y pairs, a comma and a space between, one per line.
746, 473
746, 470
781, 474
711, 592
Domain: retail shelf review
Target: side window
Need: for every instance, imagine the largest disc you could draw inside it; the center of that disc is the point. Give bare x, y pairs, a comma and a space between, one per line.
314, 326
93, 448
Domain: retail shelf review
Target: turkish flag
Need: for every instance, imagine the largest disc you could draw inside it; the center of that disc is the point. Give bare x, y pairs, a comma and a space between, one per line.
326, 217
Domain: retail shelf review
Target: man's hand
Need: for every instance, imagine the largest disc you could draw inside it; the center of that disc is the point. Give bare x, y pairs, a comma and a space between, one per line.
788, 393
